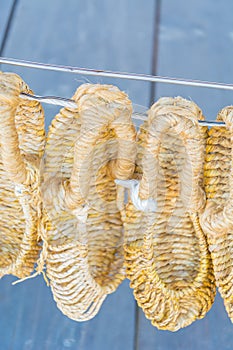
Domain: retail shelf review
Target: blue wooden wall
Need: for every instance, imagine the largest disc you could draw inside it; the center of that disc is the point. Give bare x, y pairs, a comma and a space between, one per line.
187, 39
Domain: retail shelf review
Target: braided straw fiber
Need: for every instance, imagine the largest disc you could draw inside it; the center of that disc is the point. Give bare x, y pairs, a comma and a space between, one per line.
217, 219
87, 149
166, 253
22, 139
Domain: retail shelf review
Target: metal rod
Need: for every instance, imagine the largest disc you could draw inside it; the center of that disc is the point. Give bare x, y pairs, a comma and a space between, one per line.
65, 102
120, 75
54, 100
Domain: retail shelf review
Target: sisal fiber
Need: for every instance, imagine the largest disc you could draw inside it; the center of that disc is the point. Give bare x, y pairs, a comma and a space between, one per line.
217, 218
166, 253
87, 148
22, 140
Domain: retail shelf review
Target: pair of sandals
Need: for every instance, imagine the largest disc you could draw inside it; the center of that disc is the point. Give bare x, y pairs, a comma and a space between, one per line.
73, 205
67, 200
179, 246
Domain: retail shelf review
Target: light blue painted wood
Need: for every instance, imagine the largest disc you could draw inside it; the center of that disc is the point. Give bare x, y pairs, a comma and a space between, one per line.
5, 9
106, 34
195, 43
30, 320
114, 35
215, 331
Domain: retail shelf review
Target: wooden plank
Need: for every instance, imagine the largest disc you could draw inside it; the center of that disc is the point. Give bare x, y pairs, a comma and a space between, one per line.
32, 322
5, 10
109, 35
213, 332
194, 45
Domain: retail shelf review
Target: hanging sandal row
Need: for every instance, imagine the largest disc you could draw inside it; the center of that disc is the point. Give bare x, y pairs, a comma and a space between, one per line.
64, 208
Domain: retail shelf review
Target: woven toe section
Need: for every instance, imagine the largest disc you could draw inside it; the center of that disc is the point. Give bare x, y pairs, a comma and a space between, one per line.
166, 254
86, 150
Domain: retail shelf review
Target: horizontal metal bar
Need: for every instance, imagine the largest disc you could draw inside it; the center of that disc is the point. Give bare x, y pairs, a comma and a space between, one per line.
54, 100
113, 74
65, 102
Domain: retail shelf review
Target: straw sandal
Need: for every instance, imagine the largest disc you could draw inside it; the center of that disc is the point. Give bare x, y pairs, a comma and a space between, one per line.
166, 253
87, 148
22, 138
217, 219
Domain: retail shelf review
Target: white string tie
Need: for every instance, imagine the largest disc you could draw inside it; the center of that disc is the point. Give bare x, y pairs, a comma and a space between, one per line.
146, 205
81, 213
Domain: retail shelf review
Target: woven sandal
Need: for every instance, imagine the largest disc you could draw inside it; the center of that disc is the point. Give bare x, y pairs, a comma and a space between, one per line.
22, 138
86, 150
217, 219
166, 253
